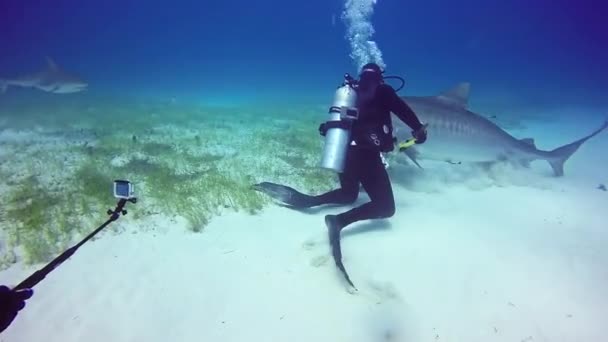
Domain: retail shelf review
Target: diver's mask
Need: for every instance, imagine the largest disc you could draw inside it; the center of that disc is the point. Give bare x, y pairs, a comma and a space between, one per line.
369, 80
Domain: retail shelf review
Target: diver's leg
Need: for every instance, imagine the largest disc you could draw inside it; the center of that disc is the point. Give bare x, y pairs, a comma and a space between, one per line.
349, 183
376, 183
347, 193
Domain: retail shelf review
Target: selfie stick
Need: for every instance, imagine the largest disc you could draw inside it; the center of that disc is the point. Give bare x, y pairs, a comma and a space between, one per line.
37, 276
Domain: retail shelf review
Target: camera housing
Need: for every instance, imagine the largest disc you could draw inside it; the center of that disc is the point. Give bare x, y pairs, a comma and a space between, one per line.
123, 189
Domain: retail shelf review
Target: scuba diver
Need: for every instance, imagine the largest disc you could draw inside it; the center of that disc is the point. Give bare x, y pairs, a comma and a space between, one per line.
371, 135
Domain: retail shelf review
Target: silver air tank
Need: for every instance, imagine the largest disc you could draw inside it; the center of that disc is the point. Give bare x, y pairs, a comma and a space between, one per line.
342, 113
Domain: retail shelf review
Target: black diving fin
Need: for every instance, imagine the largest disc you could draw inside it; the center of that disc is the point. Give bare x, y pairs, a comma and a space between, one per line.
287, 195
334, 240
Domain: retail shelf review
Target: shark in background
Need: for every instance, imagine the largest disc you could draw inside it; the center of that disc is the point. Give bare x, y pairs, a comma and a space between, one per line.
458, 135
52, 79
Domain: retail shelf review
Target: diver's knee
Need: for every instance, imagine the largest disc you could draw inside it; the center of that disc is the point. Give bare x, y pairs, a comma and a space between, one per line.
391, 211
388, 210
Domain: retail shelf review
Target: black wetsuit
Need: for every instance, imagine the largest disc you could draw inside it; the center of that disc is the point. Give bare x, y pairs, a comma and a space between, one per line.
372, 133
363, 162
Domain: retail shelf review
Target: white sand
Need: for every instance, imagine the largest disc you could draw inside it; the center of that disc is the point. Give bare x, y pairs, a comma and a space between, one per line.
509, 263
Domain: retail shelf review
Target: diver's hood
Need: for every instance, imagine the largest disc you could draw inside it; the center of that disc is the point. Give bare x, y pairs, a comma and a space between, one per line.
367, 85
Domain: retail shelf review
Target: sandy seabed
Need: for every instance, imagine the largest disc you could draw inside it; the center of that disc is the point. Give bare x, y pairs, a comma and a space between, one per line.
500, 263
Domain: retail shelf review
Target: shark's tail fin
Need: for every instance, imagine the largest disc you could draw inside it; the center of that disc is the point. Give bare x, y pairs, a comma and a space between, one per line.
3, 86
559, 156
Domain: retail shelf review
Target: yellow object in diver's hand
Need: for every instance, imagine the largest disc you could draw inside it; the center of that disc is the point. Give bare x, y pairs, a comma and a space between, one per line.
406, 144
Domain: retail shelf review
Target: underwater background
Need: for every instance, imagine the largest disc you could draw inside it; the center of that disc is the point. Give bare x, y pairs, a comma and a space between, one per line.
195, 101
183, 89
179, 93
521, 52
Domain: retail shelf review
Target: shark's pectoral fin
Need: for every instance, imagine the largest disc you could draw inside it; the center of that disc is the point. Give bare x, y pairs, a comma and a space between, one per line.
412, 154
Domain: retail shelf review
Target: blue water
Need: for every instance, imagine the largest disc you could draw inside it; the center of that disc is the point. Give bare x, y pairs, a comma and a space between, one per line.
545, 52
523, 256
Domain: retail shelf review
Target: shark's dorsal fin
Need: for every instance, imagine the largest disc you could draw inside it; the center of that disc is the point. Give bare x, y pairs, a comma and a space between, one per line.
458, 95
52, 65
528, 141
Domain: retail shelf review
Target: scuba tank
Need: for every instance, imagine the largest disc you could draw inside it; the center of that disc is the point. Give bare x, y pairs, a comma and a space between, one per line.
337, 130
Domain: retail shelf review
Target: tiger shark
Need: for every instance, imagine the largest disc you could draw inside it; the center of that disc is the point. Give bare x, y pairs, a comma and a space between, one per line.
455, 134
52, 79
458, 135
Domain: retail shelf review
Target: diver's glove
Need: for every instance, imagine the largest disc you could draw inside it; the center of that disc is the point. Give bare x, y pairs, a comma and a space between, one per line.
420, 134
10, 303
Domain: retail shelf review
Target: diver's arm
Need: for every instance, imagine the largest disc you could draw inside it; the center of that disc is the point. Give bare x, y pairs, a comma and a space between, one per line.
402, 109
